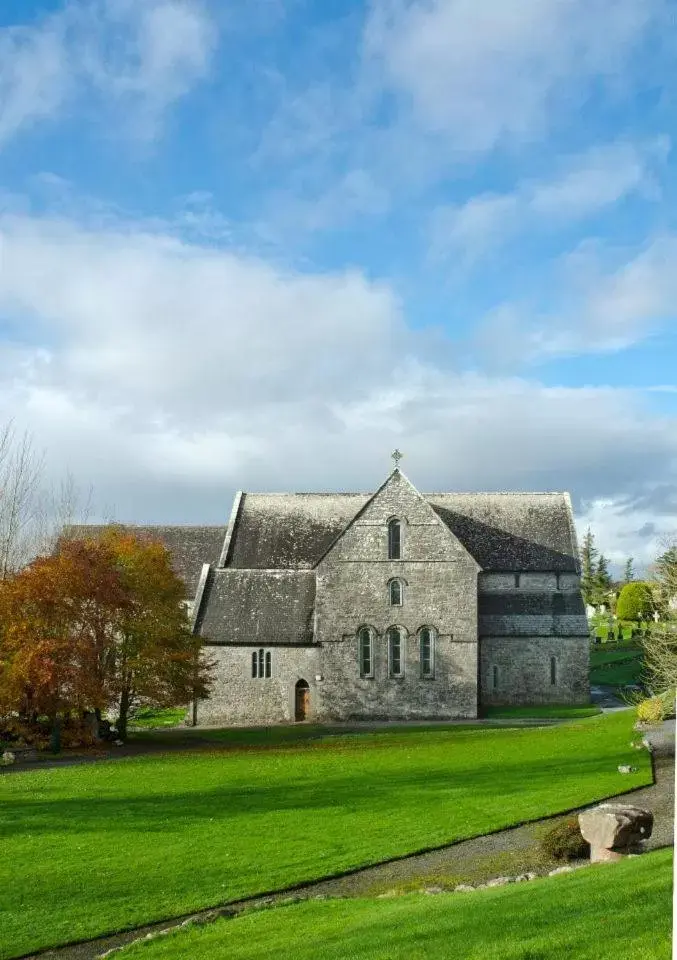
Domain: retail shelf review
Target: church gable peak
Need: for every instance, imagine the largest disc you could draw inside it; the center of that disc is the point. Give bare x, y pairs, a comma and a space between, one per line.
396, 502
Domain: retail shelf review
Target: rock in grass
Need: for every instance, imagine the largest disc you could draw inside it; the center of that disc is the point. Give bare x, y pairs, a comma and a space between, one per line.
463, 888
614, 828
498, 882
557, 870
626, 768
433, 890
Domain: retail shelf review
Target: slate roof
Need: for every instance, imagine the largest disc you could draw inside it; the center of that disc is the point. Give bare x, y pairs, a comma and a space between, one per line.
258, 607
554, 604
189, 547
511, 531
502, 531
278, 531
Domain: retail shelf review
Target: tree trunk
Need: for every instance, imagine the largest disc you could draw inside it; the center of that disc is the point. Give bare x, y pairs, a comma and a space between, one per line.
55, 737
124, 712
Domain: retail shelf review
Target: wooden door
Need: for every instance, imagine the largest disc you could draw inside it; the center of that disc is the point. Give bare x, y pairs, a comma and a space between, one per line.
302, 700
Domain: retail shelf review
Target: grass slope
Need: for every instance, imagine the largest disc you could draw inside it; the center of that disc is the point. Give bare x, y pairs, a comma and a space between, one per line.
614, 665
98, 848
151, 718
611, 912
563, 711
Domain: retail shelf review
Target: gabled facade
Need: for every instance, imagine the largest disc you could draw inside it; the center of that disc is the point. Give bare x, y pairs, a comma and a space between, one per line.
392, 605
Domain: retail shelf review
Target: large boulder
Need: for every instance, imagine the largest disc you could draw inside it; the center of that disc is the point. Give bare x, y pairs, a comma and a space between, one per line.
614, 829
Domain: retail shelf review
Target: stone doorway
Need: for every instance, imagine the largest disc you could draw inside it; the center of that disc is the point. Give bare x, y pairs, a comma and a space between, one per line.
301, 701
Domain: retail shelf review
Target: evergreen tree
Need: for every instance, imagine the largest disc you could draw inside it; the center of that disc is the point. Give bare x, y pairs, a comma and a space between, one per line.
603, 583
588, 567
629, 573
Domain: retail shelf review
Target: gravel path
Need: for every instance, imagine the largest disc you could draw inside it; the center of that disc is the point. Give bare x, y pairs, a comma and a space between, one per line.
506, 853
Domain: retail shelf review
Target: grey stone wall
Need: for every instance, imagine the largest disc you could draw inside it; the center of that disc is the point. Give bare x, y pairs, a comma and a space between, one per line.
524, 670
538, 582
440, 591
239, 700
521, 628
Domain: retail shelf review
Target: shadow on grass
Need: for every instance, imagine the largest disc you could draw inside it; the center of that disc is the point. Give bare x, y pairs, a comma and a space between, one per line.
362, 790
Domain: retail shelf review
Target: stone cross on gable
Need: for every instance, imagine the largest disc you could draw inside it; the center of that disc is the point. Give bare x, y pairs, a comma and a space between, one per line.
397, 456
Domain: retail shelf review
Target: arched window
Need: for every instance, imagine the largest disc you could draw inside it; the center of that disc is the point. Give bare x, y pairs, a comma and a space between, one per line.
366, 653
395, 593
394, 539
395, 652
553, 671
261, 664
426, 639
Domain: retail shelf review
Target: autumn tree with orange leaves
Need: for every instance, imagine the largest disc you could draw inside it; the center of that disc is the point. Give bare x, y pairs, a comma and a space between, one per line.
98, 624
156, 658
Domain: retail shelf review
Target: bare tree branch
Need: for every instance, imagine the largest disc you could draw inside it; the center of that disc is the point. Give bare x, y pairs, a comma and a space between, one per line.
20, 474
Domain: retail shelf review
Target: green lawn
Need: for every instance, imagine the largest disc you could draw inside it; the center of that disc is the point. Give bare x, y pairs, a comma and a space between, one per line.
278, 734
546, 711
611, 912
614, 665
153, 718
100, 847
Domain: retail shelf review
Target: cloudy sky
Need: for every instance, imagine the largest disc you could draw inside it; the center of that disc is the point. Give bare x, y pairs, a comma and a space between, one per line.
260, 243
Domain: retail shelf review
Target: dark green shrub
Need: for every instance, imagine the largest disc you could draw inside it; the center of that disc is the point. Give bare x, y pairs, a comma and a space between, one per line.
564, 841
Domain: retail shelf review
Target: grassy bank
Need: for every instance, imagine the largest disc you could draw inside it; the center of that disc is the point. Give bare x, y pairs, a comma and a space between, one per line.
95, 848
612, 912
541, 712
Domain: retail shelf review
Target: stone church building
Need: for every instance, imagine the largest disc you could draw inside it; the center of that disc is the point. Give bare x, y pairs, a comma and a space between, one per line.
337, 606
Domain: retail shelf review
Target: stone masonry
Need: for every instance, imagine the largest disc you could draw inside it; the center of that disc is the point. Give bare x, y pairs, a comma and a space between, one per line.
281, 593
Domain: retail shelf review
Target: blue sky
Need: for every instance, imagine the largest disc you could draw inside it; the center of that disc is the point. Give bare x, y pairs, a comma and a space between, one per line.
258, 244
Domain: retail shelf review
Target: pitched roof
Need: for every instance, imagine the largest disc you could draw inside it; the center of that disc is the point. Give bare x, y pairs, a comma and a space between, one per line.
258, 606
189, 547
511, 531
506, 604
502, 531
532, 614
289, 530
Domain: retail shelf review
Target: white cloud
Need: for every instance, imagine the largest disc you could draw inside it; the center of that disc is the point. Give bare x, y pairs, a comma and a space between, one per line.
430, 85
168, 374
150, 53
467, 231
582, 186
596, 308
356, 194
482, 71
139, 56
642, 534
34, 75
